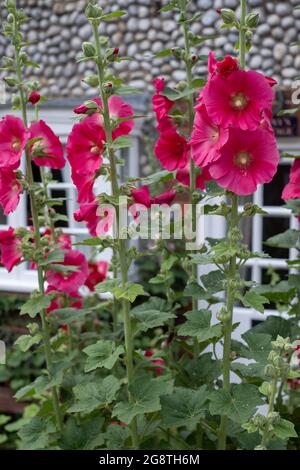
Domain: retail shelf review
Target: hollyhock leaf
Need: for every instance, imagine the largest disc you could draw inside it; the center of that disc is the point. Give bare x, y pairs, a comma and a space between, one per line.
107, 286
193, 289
151, 314
94, 395
164, 53
198, 325
37, 433
281, 292
130, 291
274, 326
175, 95
55, 256
287, 239
84, 436
102, 354
126, 90
116, 436
60, 268
198, 83
239, 405
146, 398
160, 176
95, 241
258, 346
285, 112
254, 300
185, 407
113, 15
66, 316
25, 342
122, 142
35, 304
213, 281
284, 429
294, 205
201, 259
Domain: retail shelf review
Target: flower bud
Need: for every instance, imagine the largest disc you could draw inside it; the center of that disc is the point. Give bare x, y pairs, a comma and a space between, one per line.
15, 101
34, 97
116, 51
252, 20
93, 11
92, 80
88, 49
228, 16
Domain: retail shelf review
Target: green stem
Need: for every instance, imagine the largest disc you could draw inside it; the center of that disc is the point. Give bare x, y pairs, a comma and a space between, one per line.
233, 261
121, 242
266, 433
35, 220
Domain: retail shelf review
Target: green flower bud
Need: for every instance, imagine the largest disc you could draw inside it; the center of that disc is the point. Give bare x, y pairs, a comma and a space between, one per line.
252, 20
228, 16
93, 11
11, 81
92, 80
88, 49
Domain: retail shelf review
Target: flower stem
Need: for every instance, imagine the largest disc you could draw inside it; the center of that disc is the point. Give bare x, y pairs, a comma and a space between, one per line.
36, 225
121, 242
266, 433
233, 223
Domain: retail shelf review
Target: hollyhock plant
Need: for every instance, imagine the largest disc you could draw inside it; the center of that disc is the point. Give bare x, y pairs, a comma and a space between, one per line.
203, 175
97, 274
47, 150
247, 159
11, 248
292, 189
171, 149
69, 281
10, 190
238, 100
207, 138
13, 139
118, 109
85, 146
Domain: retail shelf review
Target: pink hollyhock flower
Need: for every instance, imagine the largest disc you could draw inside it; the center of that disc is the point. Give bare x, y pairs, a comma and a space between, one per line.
238, 100
247, 159
227, 66
203, 175
34, 97
13, 139
48, 150
143, 196
84, 185
85, 146
97, 274
161, 104
292, 189
10, 190
207, 139
159, 362
88, 213
171, 149
166, 197
69, 281
11, 251
74, 301
118, 109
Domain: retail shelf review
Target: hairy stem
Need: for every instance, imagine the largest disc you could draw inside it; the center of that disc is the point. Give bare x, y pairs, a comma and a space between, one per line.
266, 433
36, 225
121, 242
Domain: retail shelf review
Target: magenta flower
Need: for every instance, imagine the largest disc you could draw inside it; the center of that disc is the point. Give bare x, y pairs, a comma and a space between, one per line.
13, 139
88, 213
11, 248
10, 190
48, 150
85, 146
292, 189
161, 104
203, 175
69, 281
84, 185
207, 139
247, 159
238, 100
143, 196
34, 97
97, 274
171, 149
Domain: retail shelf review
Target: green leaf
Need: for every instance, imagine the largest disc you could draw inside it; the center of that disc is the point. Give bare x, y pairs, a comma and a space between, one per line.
122, 142
201, 259
130, 292
94, 395
56, 256
157, 177
198, 325
107, 286
35, 304
185, 407
37, 433
213, 281
294, 205
254, 300
113, 15
193, 289
102, 354
126, 90
281, 292
116, 436
83, 436
285, 112
145, 395
25, 342
66, 316
164, 53
284, 429
175, 95
151, 314
238, 406
287, 239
